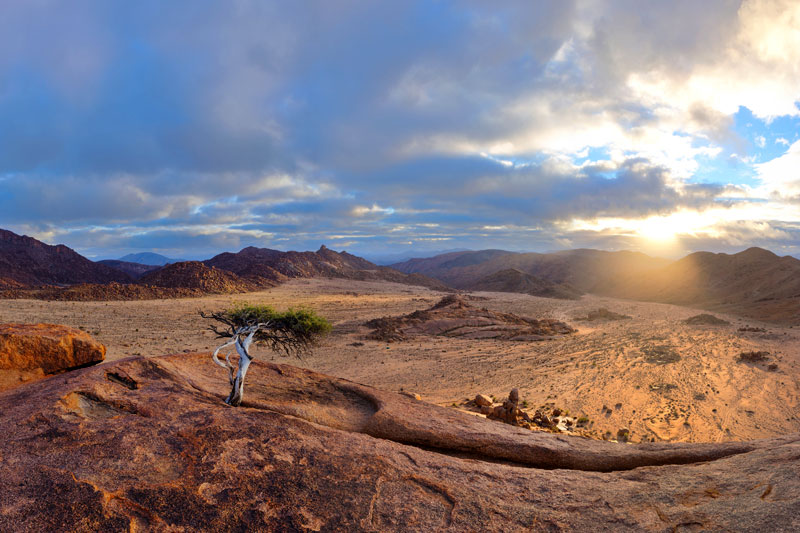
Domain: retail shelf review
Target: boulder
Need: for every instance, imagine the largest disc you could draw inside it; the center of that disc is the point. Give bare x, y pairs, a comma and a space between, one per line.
149, 445
34, 350
482, 400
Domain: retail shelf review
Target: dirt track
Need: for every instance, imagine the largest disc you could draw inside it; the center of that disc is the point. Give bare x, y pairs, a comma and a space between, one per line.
656, 376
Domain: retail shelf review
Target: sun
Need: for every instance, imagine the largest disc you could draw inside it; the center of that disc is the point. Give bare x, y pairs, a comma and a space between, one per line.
657, 230
667, 229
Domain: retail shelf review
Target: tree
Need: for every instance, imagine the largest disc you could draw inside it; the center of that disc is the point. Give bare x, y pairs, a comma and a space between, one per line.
292, 332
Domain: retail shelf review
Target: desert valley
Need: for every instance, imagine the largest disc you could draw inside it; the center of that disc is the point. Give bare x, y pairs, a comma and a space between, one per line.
414, 266
585, 364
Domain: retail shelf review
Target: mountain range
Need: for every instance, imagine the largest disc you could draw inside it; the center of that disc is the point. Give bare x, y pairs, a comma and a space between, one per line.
31, 268
755, 282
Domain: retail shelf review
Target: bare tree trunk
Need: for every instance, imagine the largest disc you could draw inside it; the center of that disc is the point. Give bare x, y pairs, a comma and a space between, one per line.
242, 347
237, 385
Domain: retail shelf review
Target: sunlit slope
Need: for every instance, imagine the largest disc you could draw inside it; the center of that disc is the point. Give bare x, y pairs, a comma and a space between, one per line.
754, 282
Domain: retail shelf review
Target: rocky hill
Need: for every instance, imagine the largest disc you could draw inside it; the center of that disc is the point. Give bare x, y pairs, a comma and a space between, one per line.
27, 262
515, 280
196, 275
149, 445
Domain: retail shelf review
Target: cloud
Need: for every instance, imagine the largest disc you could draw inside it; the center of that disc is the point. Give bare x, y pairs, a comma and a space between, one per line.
186, 126
779, 177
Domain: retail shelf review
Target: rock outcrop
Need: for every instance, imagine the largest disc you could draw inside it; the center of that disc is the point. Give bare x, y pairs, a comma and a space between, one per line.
602, 313
29, 351
705, 319
453, 316
148, 444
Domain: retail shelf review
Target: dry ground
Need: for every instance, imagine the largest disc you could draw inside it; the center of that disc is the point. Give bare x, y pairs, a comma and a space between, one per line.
705, 395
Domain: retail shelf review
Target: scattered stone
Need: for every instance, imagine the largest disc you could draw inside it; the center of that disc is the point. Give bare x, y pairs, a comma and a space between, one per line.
662, 387
509, 412
623, 435
481, 400
752, 329
660, 355
753, 357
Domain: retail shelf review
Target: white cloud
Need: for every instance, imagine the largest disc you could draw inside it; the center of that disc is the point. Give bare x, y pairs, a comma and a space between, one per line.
780, 177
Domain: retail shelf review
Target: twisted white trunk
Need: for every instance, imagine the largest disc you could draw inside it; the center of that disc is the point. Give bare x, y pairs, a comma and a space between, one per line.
237, 379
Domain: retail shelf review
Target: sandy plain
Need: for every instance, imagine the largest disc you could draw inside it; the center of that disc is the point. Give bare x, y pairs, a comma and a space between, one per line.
654, 375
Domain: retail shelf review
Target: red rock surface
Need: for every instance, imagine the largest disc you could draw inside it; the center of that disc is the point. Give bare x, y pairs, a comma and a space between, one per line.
148, 445
28, 351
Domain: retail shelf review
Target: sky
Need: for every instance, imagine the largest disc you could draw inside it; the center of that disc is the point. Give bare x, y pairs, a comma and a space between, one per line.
190, 128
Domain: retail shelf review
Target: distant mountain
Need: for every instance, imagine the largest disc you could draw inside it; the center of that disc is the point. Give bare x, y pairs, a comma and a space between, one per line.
390, 259
148, 258
583, 270
25, 261
277, 266
447, 267
514, 280
134, 270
